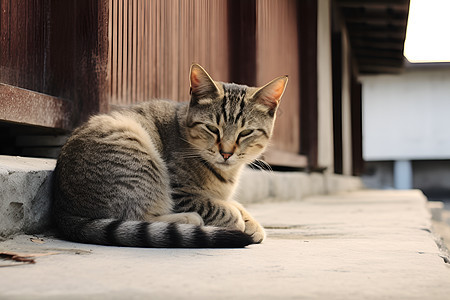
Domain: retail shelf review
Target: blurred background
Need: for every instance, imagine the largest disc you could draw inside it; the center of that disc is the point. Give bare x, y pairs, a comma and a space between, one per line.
405, 116
369, 80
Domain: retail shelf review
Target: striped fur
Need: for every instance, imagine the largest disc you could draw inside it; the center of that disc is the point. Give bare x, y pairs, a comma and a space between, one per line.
162, 174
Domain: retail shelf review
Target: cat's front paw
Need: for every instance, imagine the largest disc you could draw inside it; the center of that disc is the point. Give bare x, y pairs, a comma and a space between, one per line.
236, 221
231, 219
191, 218
255, 230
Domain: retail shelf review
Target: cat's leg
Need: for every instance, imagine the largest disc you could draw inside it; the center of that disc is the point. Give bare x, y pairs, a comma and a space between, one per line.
252, 227
218, 213
223, 214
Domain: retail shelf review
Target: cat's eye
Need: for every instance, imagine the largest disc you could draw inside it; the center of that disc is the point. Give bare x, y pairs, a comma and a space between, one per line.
245, 132
213, 129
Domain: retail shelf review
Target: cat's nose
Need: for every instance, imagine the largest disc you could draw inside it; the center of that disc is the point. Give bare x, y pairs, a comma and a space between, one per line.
225, 155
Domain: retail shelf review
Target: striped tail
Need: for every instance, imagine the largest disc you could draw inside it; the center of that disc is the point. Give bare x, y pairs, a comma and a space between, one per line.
151, 235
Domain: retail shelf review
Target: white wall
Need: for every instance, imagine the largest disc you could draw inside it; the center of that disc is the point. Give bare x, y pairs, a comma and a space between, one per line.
407, 116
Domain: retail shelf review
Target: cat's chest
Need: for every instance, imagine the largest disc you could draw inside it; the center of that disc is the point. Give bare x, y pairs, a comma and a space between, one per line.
218, 190
202, 182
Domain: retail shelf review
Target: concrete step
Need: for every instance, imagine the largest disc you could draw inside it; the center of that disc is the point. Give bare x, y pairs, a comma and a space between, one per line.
25, 187
353, 245
24, 194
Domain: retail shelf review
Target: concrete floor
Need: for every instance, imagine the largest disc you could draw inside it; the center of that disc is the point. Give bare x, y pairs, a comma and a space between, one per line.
358, 245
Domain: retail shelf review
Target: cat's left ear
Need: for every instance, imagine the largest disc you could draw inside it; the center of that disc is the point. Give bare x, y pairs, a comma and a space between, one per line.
269, 96
202, 85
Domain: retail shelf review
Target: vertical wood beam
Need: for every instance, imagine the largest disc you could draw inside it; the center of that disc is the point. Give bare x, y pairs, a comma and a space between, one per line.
307, 27
356, 115
242, 41
336, 46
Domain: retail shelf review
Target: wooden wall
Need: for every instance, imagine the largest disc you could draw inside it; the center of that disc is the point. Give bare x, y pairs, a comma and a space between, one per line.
92, 55
57, 48
153, 43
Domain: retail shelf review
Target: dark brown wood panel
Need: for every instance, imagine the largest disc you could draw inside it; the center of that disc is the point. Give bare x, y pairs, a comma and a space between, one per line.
277, 48
307, 11
58, 48
24, 43
27, 107
242, 37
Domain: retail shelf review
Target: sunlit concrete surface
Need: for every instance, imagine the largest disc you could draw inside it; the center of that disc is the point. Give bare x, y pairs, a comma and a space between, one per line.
357, 245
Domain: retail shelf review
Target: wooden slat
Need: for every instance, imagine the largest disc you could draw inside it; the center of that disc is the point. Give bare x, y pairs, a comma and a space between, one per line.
381, 61
384, 44
376, 69
376, 4
125, 48
113, 40
379, 53
27, 107
377, 33
118, 98
375, 21
134, 53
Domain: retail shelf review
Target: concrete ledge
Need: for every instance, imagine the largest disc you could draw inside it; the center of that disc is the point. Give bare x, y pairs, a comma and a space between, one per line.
24, 194
25, 190
256, 186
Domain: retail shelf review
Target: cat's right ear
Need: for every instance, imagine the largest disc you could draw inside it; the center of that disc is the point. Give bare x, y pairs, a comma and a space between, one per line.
202, 85
268, 97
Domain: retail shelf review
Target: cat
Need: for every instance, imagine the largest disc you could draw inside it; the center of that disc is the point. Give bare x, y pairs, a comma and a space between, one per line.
163, 173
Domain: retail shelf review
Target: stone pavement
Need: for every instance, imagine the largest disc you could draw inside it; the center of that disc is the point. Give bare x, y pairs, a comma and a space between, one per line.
357, 245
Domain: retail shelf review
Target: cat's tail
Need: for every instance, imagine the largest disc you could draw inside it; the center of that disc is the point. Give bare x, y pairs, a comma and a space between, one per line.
151, 235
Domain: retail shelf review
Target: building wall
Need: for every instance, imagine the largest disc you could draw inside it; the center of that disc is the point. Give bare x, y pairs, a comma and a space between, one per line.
406, 116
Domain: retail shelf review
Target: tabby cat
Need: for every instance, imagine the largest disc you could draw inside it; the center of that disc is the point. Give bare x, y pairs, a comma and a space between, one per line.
162, 173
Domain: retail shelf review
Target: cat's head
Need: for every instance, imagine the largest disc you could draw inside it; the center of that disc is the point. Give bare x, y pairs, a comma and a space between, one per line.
230, 124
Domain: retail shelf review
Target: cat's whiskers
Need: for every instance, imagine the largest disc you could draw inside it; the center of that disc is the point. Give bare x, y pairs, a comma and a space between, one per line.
189, 142
189, 155
261, 165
